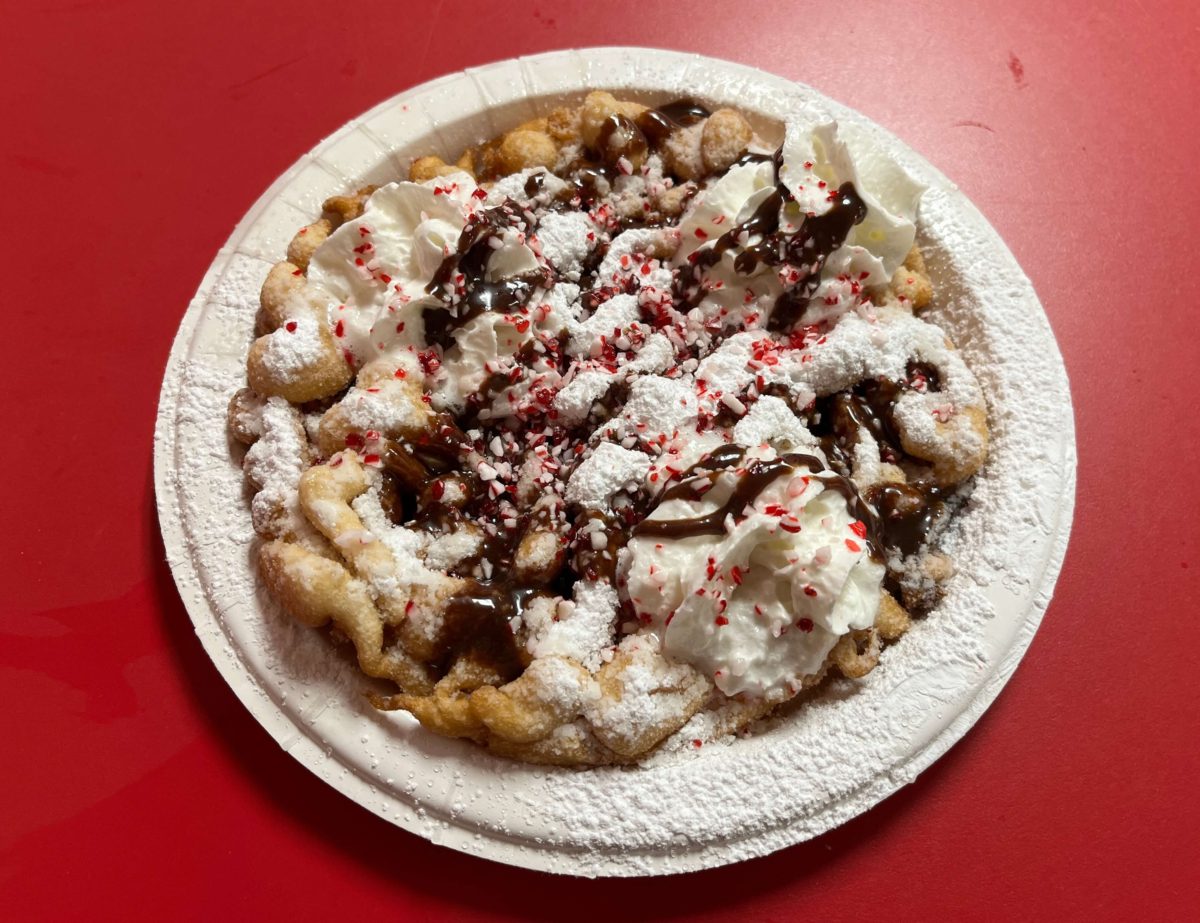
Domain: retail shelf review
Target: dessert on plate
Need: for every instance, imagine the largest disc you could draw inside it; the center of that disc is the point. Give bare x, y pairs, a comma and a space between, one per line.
616, 434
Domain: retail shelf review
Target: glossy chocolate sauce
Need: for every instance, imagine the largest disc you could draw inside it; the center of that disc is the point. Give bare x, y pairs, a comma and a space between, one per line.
657, 125
759, 242
476, 627
496, 382
476, 624
759, 475
621, 136
470, 260
908, 513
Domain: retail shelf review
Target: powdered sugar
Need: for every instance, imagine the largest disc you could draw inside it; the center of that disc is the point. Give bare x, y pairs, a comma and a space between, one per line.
294, 347
566, 238
607, 470
770, 420
581, 628
608, 320
275, 463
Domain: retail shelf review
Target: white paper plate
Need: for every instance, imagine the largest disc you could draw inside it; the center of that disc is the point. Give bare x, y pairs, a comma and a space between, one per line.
833, 759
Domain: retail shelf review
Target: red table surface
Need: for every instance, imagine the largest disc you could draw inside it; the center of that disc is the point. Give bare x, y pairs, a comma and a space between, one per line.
135, 134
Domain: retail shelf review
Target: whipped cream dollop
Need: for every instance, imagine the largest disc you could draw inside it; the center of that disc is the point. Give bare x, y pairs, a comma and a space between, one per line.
375, 272
758, 601
374, 268
816, 160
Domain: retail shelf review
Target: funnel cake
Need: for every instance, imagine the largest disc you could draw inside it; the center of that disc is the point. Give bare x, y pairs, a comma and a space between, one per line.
619, 432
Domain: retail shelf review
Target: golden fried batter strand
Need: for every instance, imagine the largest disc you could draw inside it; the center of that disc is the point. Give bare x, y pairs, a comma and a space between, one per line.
316, 591
856, 654
891, 621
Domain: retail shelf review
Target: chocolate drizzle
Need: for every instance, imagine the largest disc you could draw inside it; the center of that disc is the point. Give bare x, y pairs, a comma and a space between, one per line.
657, 125
760, 242
870, 405
476, 624
476, 627
818, 236
470, 296
496, 382
758, 475
534, 184
620, 136
908, 513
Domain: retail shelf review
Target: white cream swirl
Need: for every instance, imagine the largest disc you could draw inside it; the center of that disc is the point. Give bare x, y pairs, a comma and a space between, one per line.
374, 269
816, 161
724, 205
758, 607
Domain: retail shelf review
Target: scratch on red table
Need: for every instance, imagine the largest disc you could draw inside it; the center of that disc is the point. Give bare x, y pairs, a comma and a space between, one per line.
433, 30
971, 123
267, 73
38, 165
1017, 69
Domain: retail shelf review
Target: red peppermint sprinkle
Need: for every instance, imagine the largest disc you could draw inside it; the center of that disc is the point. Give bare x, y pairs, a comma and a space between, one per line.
429, 360
371, 459
400, 373
859, 528
339, 329
853, 545
354, 441
437, 489
810, 590
290, 326
805, 625
700, 233
721, 620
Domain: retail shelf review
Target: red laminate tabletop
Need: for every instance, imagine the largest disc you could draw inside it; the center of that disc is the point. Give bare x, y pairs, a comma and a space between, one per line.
135, 134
